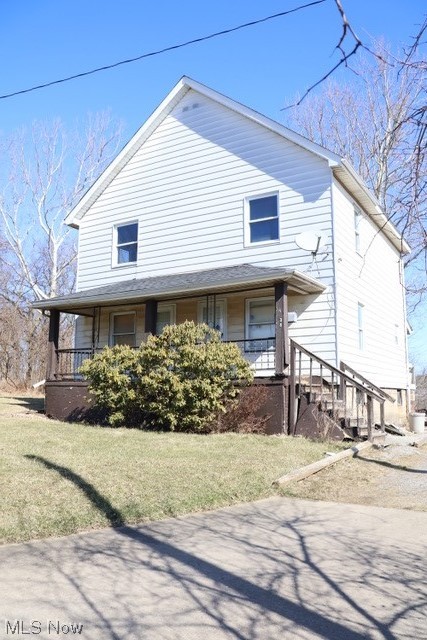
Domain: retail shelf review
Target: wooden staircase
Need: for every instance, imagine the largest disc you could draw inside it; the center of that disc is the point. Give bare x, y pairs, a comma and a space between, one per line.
330, 403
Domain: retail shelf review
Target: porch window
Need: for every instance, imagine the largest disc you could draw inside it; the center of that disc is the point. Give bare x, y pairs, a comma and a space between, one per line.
260, 324
126, 243
122, 329
166, 314
262, 214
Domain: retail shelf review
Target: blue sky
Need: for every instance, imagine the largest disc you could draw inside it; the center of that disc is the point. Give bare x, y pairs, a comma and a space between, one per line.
263, 66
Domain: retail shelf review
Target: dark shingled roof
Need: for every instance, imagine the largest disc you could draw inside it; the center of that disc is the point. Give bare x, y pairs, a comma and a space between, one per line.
222, 279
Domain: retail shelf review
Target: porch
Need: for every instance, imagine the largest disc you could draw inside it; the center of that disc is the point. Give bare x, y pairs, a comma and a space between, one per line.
251, 307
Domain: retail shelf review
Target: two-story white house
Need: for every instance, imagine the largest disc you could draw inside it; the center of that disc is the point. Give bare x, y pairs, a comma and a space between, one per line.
213, 212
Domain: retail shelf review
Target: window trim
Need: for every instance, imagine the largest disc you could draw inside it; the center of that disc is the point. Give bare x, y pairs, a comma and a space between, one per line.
114, 258
247, 318
247, 220
111, 332
167, 307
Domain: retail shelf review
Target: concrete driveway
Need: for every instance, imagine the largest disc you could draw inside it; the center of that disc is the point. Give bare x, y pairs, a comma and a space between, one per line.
278, 568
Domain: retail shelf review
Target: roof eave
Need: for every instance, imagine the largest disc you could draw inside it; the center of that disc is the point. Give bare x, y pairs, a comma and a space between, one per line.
348, 176
297, 280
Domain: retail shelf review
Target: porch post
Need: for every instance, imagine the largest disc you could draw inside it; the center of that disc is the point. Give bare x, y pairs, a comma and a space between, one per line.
151, 316
52, 356
282, 336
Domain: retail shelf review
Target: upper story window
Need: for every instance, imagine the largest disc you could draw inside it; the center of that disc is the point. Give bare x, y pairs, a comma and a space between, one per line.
126, 243
357, 220
262, 219
123, 329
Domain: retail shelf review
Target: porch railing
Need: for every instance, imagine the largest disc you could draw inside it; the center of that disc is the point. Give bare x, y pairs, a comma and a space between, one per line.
348, 395
260, 352
69, 361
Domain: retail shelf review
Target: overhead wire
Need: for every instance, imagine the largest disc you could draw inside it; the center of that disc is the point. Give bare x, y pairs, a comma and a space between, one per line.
160, 51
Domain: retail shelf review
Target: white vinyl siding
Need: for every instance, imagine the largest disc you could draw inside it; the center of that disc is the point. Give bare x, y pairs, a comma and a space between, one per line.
371, 278
360, 325
187, 186
357, 221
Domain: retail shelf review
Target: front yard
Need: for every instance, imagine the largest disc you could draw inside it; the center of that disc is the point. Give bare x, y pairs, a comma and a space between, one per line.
57, 479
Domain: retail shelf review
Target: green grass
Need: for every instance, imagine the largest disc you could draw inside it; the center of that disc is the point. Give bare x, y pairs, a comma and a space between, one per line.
58, 478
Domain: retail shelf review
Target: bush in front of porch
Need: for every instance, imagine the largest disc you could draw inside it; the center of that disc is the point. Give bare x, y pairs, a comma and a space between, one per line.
180, 380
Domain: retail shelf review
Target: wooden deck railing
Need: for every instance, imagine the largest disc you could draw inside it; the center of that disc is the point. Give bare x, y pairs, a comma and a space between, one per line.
310, 374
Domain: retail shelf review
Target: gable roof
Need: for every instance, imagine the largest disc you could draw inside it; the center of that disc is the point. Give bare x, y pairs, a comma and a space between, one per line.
339, 166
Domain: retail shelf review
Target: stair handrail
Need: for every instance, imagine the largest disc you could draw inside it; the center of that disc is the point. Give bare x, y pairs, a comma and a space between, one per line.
367, 382
341, 374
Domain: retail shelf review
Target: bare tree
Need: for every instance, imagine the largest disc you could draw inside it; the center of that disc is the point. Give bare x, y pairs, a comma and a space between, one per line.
45, 172
378, 121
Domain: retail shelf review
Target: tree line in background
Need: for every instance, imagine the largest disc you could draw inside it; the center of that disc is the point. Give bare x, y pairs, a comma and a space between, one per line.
45, 171
378, 120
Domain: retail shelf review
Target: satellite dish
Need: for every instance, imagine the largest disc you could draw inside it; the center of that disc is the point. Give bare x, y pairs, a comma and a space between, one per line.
310, 241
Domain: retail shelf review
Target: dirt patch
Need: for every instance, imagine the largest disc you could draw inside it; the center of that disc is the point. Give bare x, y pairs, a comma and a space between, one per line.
395, 476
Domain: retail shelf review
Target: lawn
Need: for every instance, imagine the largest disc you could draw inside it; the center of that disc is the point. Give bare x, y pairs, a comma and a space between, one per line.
57, 478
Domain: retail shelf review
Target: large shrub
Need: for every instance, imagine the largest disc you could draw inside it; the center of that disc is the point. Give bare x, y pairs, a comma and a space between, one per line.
179, 380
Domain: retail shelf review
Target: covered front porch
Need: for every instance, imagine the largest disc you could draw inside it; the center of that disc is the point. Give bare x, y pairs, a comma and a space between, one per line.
251, 306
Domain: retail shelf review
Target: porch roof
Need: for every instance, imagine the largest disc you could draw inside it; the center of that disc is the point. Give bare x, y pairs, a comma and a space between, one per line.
209, 281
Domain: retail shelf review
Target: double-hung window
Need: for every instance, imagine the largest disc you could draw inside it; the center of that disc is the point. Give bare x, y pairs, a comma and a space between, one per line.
126, 243
260, 324
166, 314
262, 219
123, 329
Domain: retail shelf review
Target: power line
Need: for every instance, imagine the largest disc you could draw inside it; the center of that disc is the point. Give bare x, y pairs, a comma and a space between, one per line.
159, 51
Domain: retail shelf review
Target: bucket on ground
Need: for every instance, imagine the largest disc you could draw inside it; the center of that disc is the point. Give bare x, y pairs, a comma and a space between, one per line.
416, 422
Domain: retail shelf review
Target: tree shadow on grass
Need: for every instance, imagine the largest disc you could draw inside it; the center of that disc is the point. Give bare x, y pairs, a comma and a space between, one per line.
102, 504
212, 587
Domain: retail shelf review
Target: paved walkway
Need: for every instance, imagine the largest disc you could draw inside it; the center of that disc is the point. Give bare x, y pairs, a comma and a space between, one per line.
278, 568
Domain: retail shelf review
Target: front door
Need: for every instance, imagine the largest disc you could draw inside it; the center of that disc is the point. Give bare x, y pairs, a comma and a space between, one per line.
213, 313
